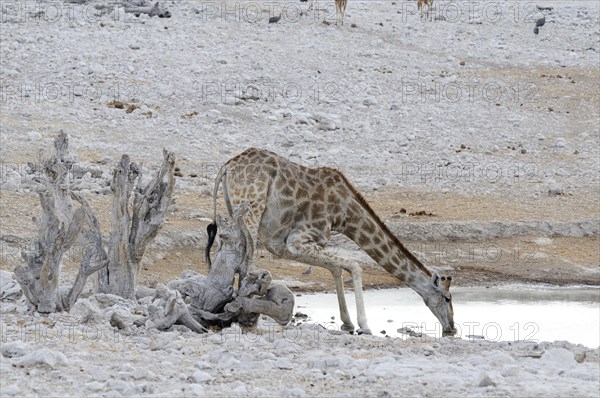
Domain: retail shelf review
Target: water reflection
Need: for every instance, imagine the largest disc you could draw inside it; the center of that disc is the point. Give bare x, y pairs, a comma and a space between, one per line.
500, 313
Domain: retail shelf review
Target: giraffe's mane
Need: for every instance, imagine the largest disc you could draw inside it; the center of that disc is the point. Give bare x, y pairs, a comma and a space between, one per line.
362, 201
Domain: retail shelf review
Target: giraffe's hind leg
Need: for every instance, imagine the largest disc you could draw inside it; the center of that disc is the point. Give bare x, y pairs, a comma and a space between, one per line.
252, 218
252, 221
301, 247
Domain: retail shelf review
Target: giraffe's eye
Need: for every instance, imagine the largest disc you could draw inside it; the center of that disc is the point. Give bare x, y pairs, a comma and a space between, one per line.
447, 299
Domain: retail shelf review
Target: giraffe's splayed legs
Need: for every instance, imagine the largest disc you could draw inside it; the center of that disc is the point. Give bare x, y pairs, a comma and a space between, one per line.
301, 247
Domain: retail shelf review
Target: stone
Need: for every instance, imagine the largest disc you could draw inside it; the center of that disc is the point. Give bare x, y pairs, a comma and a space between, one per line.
202, 365
499, 359
15, 349
485, 381
34, 136
326, 125
196, 390
12, 389
239, 388
554, 188
143, 374
9, 288
98, 374
94, 386
294, 392
427, 350
45, 356
284, 363
200, 377
559, 358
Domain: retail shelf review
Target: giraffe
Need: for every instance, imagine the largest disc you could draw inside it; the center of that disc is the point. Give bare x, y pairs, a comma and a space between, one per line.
294, 209
429, 4
340, 9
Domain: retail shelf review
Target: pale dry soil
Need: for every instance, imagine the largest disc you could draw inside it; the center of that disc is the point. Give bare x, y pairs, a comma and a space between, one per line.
473, 262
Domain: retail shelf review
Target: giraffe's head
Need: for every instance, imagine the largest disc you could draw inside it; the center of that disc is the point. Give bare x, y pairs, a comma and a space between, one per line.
439, 302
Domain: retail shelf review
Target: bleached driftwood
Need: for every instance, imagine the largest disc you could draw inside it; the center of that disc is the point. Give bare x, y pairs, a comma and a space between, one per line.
58, 229
151, 11
60, 226
131, 233
168, 308
206, 294
135, 7
212, 292
212, 297
258, 297
10, 290
274, 300
94, 256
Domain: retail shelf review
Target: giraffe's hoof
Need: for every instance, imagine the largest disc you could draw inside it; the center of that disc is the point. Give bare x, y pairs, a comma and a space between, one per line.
364, 331
347, 328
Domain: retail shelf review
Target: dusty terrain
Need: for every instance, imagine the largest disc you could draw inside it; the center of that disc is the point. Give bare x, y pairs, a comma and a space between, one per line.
495, 256
473, 119
487, 130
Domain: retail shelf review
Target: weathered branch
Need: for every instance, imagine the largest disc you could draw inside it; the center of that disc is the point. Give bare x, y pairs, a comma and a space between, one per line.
94, 257
169, 308
275, 301
211, 296
151, 11
150, 206
131, 233
119, 278
10, 289
212, 292
58, 228
135, 7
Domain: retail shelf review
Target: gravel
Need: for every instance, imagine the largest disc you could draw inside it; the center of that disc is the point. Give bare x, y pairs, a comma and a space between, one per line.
387, 101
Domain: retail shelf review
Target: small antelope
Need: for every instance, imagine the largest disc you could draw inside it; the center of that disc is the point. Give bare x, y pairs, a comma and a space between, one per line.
340, 9
429, 4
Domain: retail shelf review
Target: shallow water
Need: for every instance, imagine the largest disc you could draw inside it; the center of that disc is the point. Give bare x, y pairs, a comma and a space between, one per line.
497, 314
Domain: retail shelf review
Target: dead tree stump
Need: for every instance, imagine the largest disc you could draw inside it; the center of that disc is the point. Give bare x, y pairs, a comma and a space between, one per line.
60, 226
131, 232
209, 294
212, 299
58, 229
258, 296
136, 7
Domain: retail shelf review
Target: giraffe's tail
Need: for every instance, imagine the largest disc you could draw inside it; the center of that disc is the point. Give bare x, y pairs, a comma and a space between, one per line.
211, 229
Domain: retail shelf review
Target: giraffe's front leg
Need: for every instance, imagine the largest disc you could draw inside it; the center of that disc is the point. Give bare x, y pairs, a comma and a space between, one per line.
347, 325
302, 247
356, 272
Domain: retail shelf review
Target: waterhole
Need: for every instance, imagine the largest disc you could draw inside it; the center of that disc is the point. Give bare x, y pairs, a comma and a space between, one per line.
509, 313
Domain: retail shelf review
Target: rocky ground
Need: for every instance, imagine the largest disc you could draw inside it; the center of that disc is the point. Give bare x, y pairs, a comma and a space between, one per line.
476, 140
81, 353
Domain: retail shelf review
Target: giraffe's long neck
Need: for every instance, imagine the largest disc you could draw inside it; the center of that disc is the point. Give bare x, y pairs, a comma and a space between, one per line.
374, 237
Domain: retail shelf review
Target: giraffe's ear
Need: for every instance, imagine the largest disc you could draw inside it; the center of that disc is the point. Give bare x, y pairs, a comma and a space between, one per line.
435, 278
